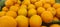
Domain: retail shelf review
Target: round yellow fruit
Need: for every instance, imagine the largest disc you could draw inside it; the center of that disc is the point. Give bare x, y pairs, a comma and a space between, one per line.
55, 25
31, 6
9, 2
14, 8
22, 21
5, 9
26, 2
33, 1
32, 12
52, 10
35, 21
40, 10
2, 13
23, 6
56, 5
22, 11
47, 5
38, 4
7, 21
55, 19
11, 13
58, 12
18, 2
47, 16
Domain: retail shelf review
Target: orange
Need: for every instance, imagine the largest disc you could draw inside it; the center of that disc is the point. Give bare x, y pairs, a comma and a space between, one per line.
58, 12
5, 9
35, 21
55, 25
2, 13
47, 16
56, 5
7, 21
38, 4
55, 19
26, 2
32, 12
47, 5
22, 11
52, 10
31, 6
11, 13
23, 6
14, 8
9, 2
22, 21
40, 10
33, 1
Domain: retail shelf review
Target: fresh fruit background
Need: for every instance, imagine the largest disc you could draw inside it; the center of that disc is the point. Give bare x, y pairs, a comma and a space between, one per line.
29, 13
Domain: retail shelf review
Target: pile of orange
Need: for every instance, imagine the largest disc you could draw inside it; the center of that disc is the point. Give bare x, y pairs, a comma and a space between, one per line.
17, 13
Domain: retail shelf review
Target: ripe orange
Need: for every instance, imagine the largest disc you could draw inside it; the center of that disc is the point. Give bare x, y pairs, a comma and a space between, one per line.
31, 6
7, 21
55, 25
5, 9
52, 10
47, 16
22, 21
35, 21
2, 13
55, 19
14, 8
58, 12
11, 13
22, 11
47, 5
56, 5
32, 12
40, 10
38, 4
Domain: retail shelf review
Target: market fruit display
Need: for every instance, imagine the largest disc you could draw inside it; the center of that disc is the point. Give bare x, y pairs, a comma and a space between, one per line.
29, 13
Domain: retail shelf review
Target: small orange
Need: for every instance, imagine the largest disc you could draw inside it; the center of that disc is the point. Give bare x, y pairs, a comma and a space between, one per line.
31, 6
55, 25
11, 13
40, 10
56, 5
14, 8
7, 21
9, 2
38, 4
23, 6
5, 9
58, 12
35, 21
33, 1
26, 2
22, 11
22, 21
32, 12
55, 19
52, 10
2, 13
47, 16
47, 5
